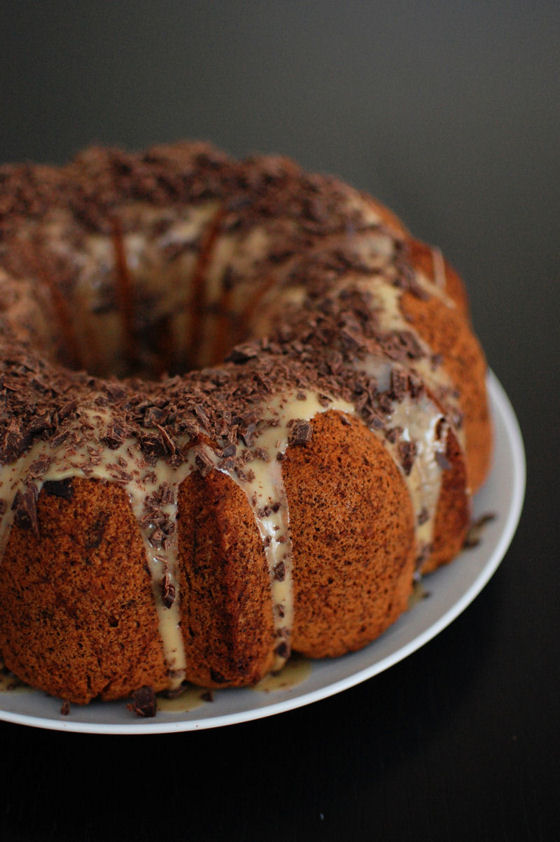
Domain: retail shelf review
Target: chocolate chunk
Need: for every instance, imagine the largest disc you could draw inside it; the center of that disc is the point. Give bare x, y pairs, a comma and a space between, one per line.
114, 437
407, 453
203, 463
144, 702
25, 508
300, 433
441, 429
39, 466
168, 591
283, 650
393, 433
168, 442
242, 353
268, 509
152, 446
59, 488
279, 572
399, 384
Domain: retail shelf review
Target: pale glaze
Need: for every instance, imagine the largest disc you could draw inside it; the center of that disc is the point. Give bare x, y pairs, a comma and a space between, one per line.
189, 699
422, 423
295, 672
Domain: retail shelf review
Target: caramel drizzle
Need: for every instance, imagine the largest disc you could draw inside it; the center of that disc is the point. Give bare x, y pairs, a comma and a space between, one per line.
125, 293
197, 305
252, 307
223, 328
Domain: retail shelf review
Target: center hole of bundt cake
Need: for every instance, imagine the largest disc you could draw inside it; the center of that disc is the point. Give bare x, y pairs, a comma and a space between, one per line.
141, 311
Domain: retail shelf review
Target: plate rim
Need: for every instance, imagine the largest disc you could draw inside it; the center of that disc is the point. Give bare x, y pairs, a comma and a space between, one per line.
502, 406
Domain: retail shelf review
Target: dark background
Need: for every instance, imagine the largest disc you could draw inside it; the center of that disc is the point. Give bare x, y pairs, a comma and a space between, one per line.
450, 113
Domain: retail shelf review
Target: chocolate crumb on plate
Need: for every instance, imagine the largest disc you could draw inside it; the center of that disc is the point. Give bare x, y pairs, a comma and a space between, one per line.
144, 702
473, 536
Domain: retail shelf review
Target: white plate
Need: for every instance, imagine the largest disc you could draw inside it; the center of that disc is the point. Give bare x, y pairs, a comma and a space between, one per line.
451, 589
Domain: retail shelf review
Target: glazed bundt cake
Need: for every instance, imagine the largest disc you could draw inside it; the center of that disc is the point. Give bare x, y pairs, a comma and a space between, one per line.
241, 411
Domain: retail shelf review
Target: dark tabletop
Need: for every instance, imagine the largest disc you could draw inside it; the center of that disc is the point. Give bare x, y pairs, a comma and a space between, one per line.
450, 113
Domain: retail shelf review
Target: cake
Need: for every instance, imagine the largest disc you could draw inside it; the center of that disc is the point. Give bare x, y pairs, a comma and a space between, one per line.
242, 411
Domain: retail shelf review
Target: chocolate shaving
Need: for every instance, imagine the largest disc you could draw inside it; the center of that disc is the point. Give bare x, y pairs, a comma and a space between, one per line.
25, 508
168, 590
114, 437
168, 442
407, 453
242, 353
300, 433
279, 572
203, 463
283, 649
473, 536
399, 384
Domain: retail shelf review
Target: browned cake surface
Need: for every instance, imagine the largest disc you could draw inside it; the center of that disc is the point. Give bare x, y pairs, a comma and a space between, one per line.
82, 621
224, 582
448, 335
353, 537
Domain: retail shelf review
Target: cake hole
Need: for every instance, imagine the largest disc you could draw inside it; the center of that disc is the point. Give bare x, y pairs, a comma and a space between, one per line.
145, 300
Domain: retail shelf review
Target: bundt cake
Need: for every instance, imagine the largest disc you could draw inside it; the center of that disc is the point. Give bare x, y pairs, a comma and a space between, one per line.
241, 410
